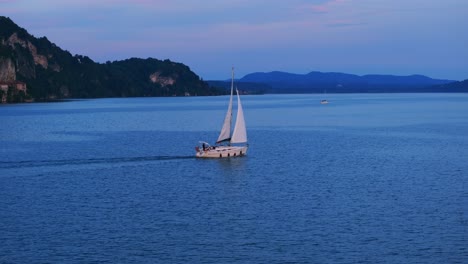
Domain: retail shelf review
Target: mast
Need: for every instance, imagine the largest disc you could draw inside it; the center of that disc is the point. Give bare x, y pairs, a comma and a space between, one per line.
225, 134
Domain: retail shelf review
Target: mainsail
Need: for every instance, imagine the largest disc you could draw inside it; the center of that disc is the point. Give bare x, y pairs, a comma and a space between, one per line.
225, 134
240, 133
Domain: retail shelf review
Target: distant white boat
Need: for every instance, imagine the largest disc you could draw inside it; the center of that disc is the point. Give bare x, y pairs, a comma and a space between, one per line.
324, 101
224, 147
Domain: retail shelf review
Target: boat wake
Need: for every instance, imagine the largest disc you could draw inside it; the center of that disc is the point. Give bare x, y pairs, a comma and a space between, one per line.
65, 162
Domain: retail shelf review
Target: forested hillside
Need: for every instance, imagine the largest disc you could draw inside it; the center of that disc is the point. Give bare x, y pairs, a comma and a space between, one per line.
49, 72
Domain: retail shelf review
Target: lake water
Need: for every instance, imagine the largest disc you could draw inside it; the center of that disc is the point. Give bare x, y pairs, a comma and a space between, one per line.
368, 178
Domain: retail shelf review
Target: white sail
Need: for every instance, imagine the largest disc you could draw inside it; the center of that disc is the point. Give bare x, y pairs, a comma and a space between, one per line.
240, 133
226, 130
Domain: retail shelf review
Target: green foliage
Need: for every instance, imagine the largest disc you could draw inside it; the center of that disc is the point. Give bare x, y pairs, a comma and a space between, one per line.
16, 96
6, 52
8, 27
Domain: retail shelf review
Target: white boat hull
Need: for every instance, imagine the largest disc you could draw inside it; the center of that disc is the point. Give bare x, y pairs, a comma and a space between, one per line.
222, 152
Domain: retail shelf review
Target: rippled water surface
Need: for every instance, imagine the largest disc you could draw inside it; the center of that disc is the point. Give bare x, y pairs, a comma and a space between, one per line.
368, 178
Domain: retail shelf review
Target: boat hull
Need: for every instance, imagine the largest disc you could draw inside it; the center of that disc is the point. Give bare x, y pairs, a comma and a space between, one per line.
222, 152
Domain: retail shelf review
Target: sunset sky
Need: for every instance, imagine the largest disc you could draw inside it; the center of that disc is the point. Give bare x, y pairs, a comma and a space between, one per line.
399, 37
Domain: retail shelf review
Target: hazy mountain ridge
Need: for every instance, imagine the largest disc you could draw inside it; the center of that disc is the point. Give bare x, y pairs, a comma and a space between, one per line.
318, 82
461, 86
243, 87
49, 72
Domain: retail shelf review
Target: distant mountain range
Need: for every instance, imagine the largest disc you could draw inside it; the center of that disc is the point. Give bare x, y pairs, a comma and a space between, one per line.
333, 82
34, 69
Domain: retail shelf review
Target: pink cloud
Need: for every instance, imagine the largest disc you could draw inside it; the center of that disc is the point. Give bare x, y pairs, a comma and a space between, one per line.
320, 9
325, 7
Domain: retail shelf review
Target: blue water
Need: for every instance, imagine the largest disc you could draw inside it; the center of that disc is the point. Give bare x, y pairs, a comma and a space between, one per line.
368, 178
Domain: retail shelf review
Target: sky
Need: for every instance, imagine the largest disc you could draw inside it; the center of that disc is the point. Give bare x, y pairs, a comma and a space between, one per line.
398, 37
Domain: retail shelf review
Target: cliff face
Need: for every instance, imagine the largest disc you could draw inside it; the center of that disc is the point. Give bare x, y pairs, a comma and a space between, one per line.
7, 70
163, 81
11, 90
27, 49
52, 73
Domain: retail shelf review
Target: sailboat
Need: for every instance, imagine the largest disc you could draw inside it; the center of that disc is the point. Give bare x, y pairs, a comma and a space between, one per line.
228, 145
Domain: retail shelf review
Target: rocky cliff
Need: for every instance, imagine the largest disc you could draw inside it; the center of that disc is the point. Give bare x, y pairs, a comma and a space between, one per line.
7, 70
